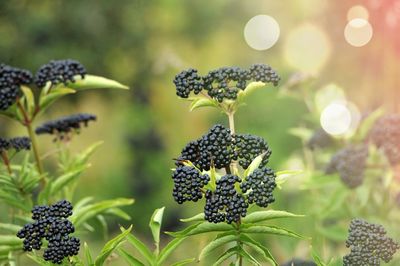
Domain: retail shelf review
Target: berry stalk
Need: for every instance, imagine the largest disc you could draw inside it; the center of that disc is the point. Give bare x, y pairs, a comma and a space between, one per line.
6, 161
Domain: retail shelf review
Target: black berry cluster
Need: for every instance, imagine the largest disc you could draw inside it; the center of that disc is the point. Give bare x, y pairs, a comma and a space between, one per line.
18, 143
214, 148
65, 124
260, 185
385, 134
11, 79
51, 223
225, 203
299, 262
248, 147
59, 71
320, 139
223, 83
368, 244
350, 163
188, 81
188, 183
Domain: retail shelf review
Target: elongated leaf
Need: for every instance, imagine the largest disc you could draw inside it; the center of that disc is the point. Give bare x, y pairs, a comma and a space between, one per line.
204, 227
65, 179
216, 243
110, 246
89, 211
119, 213
367, 124
39, 260
88, 256
168, 249
10, 240
282, 176
141, 247
132, 261
29, 99
84, 156
202, 102
95, 82
83, 202
10, 200
251, 87
262, 216
317, 259
155, 224
197, 218
47, 100
268, 229
183, 262
10, 227
248, 257
254, 164
226, 255
259, 248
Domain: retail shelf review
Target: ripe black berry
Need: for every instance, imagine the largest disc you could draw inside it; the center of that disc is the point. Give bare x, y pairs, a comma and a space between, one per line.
385, 134
188, 81
350, 163
368, 244
50, 223
320, 139
59, 71
260, 184
11, 79
225, 203
264, 73
17, 143
65, 124
248, 147
188, 183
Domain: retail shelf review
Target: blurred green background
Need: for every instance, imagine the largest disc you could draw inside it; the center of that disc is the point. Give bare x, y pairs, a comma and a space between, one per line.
145, 43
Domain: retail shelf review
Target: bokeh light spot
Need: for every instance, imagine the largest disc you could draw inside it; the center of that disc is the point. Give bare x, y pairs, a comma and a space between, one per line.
307, 48
358, 32
261, 32
358, 11
336, 119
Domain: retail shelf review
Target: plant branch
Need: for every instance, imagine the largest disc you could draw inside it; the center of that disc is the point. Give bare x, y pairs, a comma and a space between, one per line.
6, 161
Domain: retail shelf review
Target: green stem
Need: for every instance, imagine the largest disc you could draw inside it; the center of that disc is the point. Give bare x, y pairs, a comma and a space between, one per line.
239, 258
231, 118
6, 161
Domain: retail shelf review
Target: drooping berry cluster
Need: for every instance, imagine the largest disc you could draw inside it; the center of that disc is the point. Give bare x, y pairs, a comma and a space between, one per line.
225, 203
188, 183
320, 139
59, 71
260, 184
350, 163
66, 124
368, 244
18, 143
248, 147
11, 79
223, 83
385, 134
51, 223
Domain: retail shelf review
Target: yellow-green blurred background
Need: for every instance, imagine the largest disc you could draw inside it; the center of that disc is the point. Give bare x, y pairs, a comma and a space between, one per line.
144, 43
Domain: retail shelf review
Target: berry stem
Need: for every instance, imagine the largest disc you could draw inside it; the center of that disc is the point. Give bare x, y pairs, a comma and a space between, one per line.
239, 258
231, 118
6, 161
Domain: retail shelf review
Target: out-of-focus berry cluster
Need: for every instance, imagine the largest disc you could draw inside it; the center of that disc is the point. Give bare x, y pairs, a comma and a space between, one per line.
369, 244
319, 140
59, 71
64, 125
228, 199
223, 83
11, 79
51, 223
17, 143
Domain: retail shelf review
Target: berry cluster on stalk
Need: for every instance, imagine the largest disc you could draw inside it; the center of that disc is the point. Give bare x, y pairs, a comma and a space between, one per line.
11, 79
248, 147
188, 183
59, 71
17, 143
223, 83
51, 223
369, 244
350, 163
64, 125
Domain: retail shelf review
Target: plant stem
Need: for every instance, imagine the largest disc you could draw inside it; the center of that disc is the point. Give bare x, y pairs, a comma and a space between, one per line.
239, 258
6, 161
231, 118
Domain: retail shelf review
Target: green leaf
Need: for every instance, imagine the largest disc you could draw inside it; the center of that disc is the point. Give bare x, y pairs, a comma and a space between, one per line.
226, 255
202, 102
10, 113
200, 228
168, 249
251, 87
85, 155
183, 262
254, 164
110, 246
316, 258
261, 216
301, 132
216, 243
88, 256
29, 99
142, 248
367, 124
95, 82
155, 224
269, 229
132, 261
259, 248
10, 227
119, 213
197, 218
39, 260
248, 257
282, 176
47, 100
62, 181
89, 211
10, 240
12, 201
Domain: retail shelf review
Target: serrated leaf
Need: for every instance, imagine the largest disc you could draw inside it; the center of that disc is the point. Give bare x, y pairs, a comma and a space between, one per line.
262, 216
110, 246
168, 249
216, 243
47, 100
200, 228
95, 82
197, 218
29, 99
269, 229
88, 256
254, 164
259, 248
141, 247
202, 102
155, 224
10, 227
132, 261
183, 262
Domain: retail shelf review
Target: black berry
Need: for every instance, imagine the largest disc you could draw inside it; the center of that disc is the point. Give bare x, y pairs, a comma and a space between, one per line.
248, 147
260, 184
188, 81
